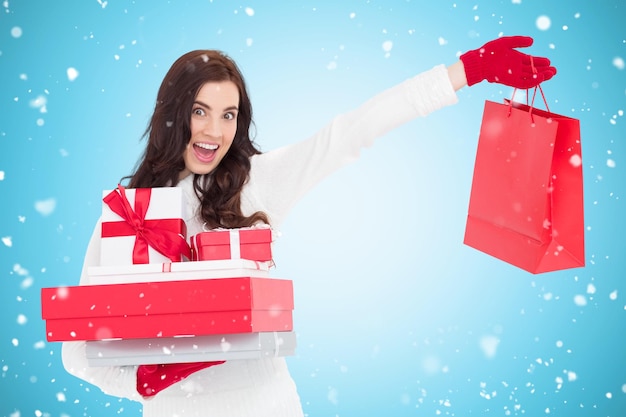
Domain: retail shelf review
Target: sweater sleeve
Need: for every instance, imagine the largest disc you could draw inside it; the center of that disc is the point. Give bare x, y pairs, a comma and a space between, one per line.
119, 381
279, 178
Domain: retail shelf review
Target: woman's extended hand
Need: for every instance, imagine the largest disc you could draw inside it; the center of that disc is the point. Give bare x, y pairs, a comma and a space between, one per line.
498, 62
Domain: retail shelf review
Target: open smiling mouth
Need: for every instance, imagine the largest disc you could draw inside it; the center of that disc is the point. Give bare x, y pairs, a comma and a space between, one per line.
205, 152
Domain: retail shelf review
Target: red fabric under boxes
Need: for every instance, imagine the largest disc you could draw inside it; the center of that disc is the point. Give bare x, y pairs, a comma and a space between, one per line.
191, 349
167, 309
254, 243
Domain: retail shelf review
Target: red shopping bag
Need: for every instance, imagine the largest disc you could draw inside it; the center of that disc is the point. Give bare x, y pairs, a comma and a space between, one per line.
526, 201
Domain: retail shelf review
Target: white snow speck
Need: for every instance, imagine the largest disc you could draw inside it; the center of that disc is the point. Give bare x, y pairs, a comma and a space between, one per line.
580, 300
571, 376
249, 42
613, 295
225, 345
332, 65
559, 343
62, 293
624, 388
1, 175
352, 15
60, 397
21, 319
575, 160
15, 342
591, 289
249, 11
609, 395
442, 41
7, 241
333, 395
39, 345
489, 345
16, 32
543, 22
610, 163
387, 45
45, 207
72, 73
39, 103
516, 1
618, 62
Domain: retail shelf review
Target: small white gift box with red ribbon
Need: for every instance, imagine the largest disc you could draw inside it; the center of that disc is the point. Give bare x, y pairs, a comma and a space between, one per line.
143, 225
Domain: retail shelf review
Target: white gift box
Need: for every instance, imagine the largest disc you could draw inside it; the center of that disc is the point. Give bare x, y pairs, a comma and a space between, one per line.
164, 203
176, 271
190, 349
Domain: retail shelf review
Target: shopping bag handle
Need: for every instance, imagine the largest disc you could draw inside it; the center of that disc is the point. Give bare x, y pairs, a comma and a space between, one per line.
531, 105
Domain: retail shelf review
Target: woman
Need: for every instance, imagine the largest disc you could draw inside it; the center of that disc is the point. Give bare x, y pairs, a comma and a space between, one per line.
198, 139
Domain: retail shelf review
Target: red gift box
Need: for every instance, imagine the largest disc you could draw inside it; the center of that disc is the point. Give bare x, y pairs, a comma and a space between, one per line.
252, 243
167, 309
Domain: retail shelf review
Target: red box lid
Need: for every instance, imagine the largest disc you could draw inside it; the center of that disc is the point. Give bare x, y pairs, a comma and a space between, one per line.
167, 297
222, 237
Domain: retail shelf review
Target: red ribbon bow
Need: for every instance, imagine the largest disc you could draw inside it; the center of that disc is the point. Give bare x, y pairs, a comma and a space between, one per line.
166, 236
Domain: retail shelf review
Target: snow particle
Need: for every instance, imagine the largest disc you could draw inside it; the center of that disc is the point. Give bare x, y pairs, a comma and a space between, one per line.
72, 73
575, 160
580, 300
489, 345
442, 41
7, 241
613, 295
543, 22
249, 11
618, 62
15, 342
45, 207
21, 319
387, 45
591, 289
1, 175
610, 163
16, 32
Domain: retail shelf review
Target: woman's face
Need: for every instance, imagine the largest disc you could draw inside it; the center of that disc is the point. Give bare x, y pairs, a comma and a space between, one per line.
213, 127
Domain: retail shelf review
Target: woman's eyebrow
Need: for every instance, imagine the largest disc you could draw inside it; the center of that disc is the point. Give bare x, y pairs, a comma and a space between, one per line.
210, 108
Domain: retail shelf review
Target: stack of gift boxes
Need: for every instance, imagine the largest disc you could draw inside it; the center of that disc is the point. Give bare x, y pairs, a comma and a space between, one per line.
160, 296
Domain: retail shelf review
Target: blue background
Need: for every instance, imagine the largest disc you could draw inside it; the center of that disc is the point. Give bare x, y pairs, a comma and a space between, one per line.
395, 316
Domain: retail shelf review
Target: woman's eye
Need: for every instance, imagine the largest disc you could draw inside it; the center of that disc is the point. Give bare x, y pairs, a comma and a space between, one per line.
198, 111
229, 116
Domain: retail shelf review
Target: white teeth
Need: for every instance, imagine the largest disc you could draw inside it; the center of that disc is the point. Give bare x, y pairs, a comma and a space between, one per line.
207, 146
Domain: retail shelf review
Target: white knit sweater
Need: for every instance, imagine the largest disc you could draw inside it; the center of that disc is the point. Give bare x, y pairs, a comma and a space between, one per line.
278, 179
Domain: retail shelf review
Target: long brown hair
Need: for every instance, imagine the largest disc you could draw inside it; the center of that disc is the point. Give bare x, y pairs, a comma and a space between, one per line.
169, 132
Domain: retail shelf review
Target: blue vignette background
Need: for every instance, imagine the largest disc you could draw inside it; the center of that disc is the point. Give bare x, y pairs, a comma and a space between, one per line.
394, 314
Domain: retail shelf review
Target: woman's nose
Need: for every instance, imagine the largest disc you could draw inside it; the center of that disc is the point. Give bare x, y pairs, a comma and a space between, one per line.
212, 128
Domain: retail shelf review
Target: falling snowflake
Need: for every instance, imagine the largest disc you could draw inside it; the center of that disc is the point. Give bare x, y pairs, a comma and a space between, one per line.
543, 22
45, 207
72, 73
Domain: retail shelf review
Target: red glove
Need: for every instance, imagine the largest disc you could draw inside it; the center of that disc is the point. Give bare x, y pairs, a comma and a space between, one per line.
152, 379
498, 62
